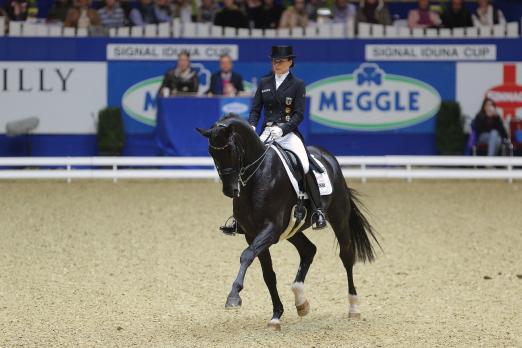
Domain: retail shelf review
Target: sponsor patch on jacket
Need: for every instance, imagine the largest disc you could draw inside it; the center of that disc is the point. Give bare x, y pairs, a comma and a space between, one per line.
265, 90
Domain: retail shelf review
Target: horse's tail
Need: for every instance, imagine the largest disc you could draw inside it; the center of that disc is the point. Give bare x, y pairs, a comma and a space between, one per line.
360, 230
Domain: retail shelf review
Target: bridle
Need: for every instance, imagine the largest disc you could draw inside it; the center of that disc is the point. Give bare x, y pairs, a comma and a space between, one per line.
242, 171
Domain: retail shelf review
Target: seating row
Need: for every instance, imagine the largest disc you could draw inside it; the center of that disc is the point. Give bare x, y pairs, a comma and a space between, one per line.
323, 31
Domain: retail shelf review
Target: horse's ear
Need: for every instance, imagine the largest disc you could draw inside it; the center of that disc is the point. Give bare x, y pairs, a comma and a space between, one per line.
204, 132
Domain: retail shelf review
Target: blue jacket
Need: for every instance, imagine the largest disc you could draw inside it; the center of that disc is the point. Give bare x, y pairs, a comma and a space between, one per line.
216, 83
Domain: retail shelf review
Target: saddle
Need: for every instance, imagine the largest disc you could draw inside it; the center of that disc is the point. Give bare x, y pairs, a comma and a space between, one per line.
295, 168
293, 163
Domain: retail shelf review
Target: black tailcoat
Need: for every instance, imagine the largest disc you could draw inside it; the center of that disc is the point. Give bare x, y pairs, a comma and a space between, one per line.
285, 106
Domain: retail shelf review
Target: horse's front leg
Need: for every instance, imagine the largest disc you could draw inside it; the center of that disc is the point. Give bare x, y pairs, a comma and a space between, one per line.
270, 280
260, 243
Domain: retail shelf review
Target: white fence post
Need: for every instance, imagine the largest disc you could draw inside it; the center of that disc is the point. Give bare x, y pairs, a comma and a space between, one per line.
363, 170
115, 173
68, 171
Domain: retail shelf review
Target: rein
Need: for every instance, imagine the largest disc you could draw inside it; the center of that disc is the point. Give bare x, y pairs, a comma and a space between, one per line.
242, 169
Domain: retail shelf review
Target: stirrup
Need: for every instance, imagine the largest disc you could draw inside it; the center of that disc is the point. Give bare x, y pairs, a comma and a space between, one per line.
229, 229
320, 220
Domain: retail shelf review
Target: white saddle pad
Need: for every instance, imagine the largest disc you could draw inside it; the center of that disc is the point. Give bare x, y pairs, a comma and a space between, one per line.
323, 180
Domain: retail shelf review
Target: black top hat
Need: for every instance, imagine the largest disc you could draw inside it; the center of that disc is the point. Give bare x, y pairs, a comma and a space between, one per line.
279, 52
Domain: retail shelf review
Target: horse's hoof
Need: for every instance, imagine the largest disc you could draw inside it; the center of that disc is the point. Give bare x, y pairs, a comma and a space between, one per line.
233, 303
303, 309
274, 324
354, 316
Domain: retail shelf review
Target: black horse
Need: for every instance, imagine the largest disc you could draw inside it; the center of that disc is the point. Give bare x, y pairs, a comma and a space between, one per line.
263, 198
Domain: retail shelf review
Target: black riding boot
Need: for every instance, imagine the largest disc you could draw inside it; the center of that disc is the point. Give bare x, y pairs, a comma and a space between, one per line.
229, 229
315, 198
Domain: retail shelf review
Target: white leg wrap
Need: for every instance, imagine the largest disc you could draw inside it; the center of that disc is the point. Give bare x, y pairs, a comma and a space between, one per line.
275, 321
298, 290
354, 304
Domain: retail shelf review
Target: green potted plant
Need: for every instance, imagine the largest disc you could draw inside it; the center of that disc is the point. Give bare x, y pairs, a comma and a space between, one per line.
110, 136
449, 134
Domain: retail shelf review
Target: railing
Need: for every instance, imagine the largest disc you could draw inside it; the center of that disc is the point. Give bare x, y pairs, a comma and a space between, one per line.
178, 29
364, 168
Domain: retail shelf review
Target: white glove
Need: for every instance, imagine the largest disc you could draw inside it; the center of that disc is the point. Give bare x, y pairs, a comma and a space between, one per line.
266, 134
276, 132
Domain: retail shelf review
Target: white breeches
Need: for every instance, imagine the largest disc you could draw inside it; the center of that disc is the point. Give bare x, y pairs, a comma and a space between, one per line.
293, 143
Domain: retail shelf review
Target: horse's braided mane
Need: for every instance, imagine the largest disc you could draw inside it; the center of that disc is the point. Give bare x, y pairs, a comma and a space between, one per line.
232, 118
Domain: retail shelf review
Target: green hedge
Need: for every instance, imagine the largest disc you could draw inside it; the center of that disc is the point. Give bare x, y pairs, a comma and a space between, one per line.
110, 135
449, 135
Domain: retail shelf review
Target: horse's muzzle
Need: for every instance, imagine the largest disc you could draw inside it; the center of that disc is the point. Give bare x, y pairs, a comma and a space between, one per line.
232, 191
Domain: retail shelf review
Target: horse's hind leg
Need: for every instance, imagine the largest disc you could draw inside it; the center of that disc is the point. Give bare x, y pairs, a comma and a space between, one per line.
307, 252
270, 280
347, 255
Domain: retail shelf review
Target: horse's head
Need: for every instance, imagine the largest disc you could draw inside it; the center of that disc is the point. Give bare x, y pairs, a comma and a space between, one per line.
227, 150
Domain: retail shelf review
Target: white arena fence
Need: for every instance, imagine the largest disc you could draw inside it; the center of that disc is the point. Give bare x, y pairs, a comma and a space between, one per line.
359, 167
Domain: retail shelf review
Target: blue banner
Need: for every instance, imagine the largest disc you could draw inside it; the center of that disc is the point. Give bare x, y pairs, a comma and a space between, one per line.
357, 107
134, 87
250, 50
370, 97
405, 98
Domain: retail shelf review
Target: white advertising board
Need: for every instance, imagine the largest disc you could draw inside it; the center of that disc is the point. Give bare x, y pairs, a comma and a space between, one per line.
501, 82
430, 52
169, 52
64, 96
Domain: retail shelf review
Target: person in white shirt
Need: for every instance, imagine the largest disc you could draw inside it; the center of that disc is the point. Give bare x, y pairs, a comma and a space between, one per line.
487, 15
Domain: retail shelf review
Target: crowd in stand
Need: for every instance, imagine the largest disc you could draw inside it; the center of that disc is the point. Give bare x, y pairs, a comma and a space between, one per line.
261, 14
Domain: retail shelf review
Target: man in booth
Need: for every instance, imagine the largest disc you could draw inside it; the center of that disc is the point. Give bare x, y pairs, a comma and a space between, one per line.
225, 81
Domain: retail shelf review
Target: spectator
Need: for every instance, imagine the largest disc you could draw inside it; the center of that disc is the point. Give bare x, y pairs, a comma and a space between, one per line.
182, 79
111, 16
254, 12
422, 17
207, 11
271, 14
182, 10
294, 16
4, 18
163, 11
488, 127
58, 11
313, 6
487, 15
342, 11
456, 16
225, 81
143, 14
82, 16
231, 16
373, 11
19, 10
